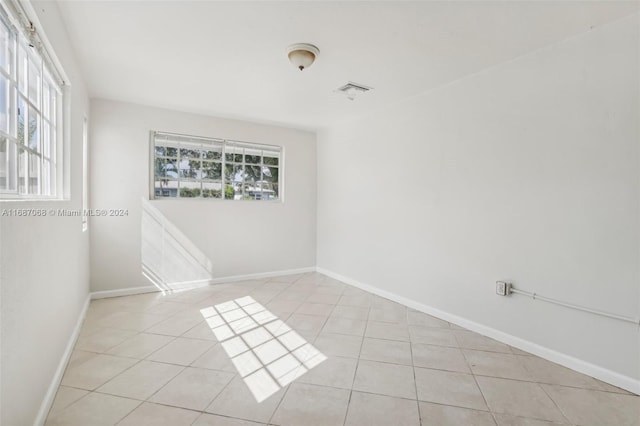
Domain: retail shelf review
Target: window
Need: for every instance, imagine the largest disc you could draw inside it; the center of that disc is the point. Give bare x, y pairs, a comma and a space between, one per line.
197, 167
30, 113
85, 174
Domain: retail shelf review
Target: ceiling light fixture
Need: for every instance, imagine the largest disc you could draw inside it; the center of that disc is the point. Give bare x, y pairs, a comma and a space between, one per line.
302, 55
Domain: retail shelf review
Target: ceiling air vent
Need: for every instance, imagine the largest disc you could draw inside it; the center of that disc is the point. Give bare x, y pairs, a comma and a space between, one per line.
350, 90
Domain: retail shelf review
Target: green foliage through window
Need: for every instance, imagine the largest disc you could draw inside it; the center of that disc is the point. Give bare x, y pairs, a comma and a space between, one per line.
196, 167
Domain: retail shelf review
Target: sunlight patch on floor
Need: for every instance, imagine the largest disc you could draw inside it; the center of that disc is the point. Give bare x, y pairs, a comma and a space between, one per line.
267, 353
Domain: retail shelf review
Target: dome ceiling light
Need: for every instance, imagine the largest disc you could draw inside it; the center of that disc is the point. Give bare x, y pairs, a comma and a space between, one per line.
302, 55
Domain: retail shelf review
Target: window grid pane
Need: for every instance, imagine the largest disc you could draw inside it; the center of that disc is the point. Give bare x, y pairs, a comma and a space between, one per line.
35, 79
22, 67
22, 171
6, 48
8, 165
194, 167
29, 98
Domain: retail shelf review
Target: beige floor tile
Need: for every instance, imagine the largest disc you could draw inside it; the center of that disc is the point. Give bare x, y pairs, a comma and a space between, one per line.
432, 336
65, 396
131, 320
220, 297
279, 305
306, 324
140, 346
444, 415
509, 420
517, 351
385, 379
380, 410
181, 351
471, 340
91, 326
193, 388
335, 371
307, 288
270, 351
167, 308
201, 331
79, 357
213, 420
332, 287
518, 398
101, 307
89, 372
309, 308
236, 400
350, 312
345, 326
94, 409
310, 405
354, 291
142, 380
140, 302
276, 285
361, 300
215, 359
195, 296
611, 388
391, 315
439, 358
159, 415
383, 330
381, 302
457, 327
386, 351
103, 339
178, 324
497, 364
419, 318
544, 371
590, 407
450, 388
295, 295
398, 365
264, 296
318, 297
338, 345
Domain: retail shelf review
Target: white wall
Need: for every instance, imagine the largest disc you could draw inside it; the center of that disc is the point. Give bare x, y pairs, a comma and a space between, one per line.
237, 237
528, 171
44, 266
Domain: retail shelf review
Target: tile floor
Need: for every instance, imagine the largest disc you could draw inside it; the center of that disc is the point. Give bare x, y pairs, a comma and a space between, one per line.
157, 359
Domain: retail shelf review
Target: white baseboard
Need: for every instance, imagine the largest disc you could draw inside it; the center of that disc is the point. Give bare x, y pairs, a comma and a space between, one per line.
62, 365
123, 292
234, 278
259, 275
601, 373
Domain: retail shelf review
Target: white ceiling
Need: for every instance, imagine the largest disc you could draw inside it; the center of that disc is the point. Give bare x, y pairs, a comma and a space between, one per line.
229, 58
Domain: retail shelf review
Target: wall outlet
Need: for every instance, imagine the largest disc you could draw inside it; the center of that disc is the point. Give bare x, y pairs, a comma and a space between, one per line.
503, 288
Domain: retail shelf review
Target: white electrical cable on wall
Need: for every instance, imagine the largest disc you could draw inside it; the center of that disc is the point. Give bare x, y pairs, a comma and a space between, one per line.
533, 295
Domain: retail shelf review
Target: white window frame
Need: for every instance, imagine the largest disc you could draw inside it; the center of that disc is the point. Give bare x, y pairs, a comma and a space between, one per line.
32, 167
261, 190
85, 174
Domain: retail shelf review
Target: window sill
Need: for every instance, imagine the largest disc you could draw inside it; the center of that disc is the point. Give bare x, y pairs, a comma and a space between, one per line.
32, 200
